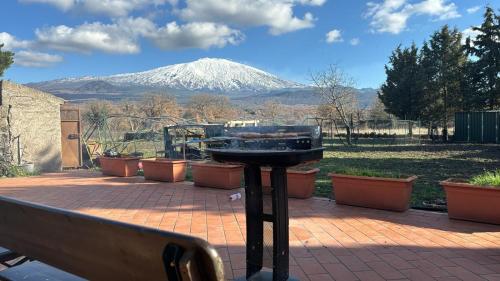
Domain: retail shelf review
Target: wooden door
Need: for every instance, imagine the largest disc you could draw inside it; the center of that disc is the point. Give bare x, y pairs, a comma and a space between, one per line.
70, 137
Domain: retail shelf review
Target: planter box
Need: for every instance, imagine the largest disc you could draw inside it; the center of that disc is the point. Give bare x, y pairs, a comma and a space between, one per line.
162, 169
120, 167
472, 202
301, 184
373, 192
216, 175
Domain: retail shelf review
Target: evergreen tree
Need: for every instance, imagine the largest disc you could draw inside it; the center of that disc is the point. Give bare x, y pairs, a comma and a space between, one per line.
430, 114
485, 69
6, 59
402, 91
443, 60
472, 99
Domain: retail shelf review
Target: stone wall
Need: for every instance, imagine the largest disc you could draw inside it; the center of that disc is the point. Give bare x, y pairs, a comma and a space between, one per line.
34, 117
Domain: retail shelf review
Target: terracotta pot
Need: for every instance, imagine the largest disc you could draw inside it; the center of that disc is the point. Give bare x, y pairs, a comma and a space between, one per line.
472, 202
373, 192
301, 184
162, 169
121, 167
216, 175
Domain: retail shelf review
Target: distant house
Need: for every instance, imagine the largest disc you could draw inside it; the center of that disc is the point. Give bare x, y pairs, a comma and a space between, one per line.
242, 123
30, 126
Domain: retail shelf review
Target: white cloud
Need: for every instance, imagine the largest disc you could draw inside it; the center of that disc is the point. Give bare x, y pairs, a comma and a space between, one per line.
23, 56
123, 36
312, 2
392, 15
354, 41
278, 15
118, 7
333, 36
61, 4
474, 9
388, 16
35, 59
118, 37
115, 8
437, 8
10, 42
195, 35
469, 32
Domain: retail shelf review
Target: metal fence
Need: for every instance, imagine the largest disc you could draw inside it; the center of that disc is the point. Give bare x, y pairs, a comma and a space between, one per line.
390, 131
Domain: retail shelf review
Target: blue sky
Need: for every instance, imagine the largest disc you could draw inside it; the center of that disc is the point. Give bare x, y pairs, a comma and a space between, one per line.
290, 38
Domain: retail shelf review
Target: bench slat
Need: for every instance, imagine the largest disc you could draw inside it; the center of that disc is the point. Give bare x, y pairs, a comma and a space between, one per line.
100, 249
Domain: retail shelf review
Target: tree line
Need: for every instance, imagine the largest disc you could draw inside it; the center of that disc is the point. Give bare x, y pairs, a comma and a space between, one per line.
447, 74
158, 109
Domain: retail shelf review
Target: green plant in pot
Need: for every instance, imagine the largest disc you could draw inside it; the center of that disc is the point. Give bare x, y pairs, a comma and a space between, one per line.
385, 190
476, 199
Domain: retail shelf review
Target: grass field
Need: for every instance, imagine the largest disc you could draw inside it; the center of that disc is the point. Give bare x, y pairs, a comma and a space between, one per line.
430, 162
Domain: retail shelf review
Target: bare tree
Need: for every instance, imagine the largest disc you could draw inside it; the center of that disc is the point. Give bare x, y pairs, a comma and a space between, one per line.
131, 108
376, 111
210, 108
270, 110
325, 117
159, 104
337, 91
155, 105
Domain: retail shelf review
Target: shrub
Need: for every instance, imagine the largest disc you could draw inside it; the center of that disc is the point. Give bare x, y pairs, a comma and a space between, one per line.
302, 167
487, 179
12, 171
368, 173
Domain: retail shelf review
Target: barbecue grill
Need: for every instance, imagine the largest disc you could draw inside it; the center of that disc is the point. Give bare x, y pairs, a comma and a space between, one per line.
278, 147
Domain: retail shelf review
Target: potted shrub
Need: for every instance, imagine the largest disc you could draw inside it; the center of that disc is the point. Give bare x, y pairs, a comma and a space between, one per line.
163, 169
372, 189
119, 166
475, 200
216, 175
300, 181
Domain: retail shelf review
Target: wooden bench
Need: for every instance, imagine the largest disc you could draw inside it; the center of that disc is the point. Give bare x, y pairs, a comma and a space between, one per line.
99, 249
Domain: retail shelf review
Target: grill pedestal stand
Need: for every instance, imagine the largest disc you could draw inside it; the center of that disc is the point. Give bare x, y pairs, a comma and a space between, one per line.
255, 216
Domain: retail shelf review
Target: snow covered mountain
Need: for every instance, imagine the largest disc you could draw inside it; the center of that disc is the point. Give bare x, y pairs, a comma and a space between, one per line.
207, 74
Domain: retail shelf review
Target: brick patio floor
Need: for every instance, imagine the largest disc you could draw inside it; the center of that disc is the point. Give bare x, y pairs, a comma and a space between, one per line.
327, 242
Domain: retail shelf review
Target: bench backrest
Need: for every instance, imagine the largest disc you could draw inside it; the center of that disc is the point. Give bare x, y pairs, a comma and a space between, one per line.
101, 249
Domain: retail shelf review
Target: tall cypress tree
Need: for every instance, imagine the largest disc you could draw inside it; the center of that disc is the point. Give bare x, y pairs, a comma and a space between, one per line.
472, 99
402, 91
485, 72
443, 60
430, 114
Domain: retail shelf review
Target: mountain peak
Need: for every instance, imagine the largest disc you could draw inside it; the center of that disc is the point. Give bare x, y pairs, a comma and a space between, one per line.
216, 75
207, 59
212, 74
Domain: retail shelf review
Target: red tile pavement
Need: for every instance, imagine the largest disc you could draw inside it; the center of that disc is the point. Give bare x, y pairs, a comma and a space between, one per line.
327, 241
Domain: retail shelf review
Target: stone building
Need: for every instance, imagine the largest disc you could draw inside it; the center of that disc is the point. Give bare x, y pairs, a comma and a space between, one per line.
30, 126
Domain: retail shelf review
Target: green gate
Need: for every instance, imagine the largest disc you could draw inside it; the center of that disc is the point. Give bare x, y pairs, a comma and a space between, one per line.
477, 127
